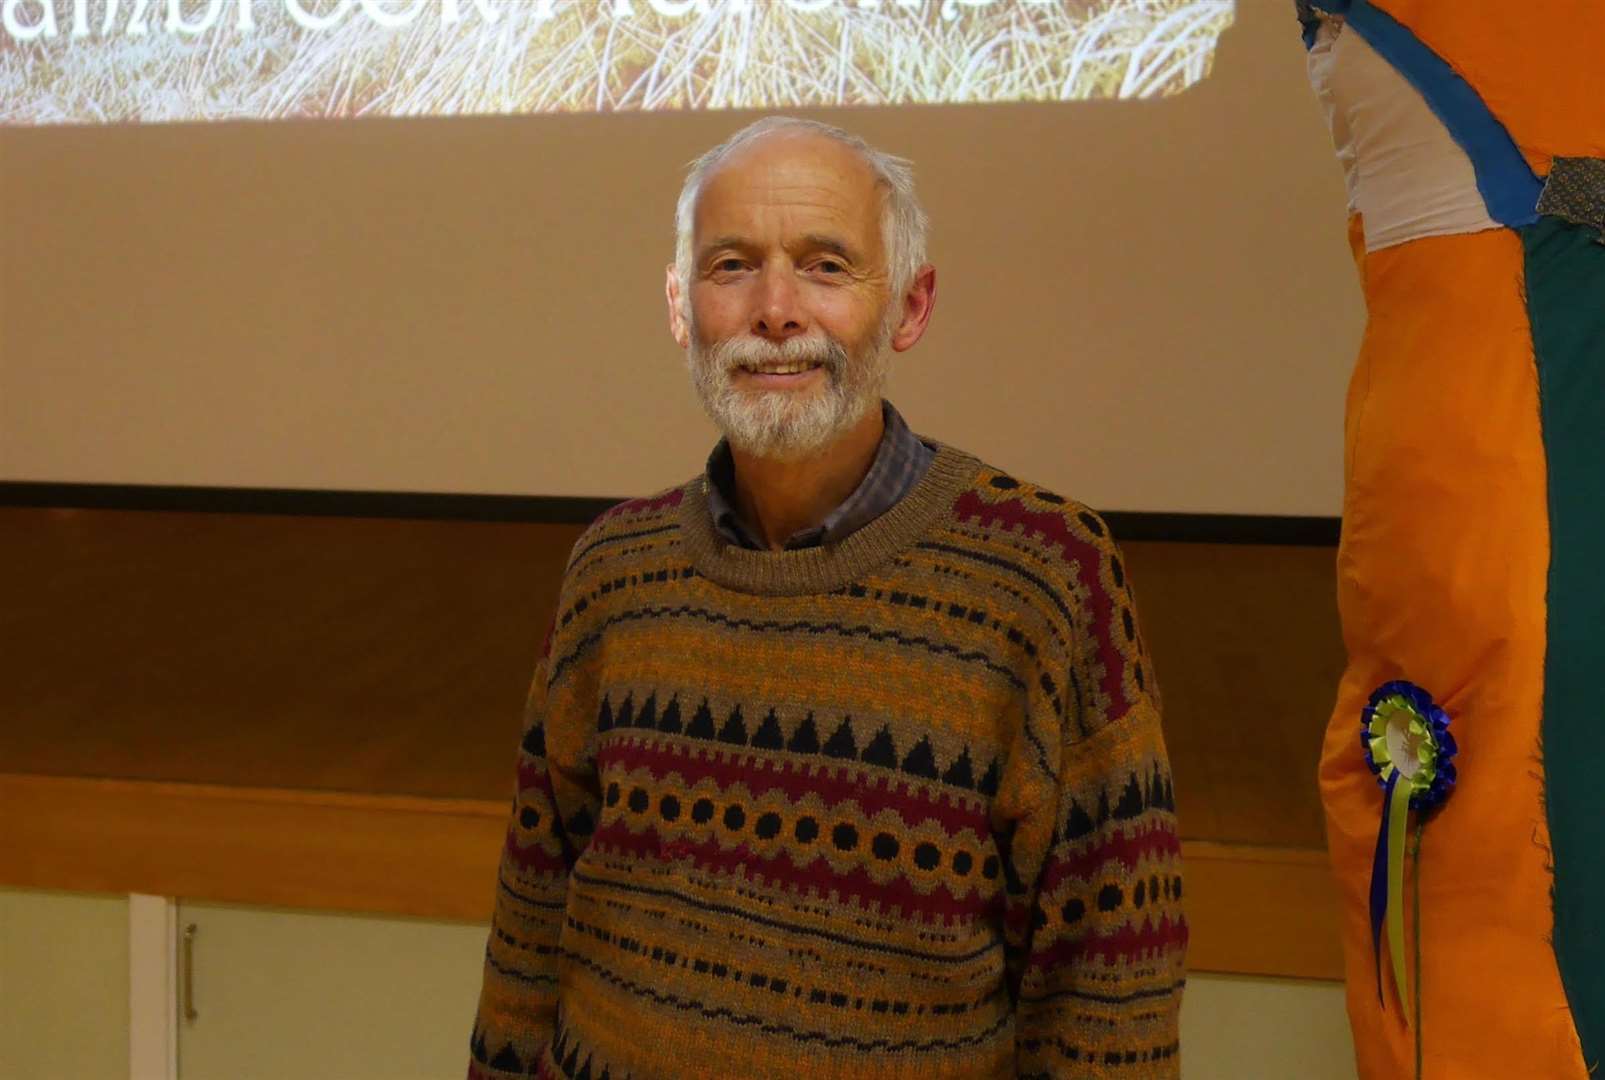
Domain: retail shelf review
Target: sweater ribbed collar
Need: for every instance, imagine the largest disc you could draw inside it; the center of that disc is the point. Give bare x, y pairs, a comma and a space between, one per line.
831, 565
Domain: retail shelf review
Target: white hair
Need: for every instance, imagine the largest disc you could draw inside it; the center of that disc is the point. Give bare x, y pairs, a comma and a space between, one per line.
903, 220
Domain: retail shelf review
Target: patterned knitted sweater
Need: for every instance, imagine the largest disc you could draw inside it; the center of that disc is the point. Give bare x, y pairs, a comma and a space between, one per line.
893, 807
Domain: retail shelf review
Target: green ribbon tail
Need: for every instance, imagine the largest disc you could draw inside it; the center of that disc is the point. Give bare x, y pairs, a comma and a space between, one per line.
1415, 908
1398, 818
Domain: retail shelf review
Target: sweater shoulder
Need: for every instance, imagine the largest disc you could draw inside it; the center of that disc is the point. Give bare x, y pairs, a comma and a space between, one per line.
1075, 575
1034, 522
652, 515
616, 546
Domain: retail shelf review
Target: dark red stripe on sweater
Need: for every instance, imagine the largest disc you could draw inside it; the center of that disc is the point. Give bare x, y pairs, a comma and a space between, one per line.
817, 877
1125, 848
532, 776
644, 506
1088, 558
834, 784
1115, 947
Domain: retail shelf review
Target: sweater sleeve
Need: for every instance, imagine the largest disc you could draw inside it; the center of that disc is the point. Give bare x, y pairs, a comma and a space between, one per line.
554, 808
1095, 905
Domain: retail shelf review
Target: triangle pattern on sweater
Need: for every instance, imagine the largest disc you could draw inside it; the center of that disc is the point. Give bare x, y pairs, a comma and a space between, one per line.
881, 750
805, 740
841, 744
768, 736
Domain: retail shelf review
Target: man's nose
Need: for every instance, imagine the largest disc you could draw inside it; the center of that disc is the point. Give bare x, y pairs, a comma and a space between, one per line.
779, 314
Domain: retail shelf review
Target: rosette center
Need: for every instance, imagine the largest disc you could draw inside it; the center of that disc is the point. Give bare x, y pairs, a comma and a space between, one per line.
1408, 744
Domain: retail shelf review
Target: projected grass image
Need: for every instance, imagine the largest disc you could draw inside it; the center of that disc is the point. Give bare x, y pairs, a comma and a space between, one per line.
88, 61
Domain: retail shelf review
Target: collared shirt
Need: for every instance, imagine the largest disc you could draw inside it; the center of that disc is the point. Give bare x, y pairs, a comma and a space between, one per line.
900, 461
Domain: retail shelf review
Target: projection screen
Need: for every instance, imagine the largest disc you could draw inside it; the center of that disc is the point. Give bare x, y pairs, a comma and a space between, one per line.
419, 245
85, 61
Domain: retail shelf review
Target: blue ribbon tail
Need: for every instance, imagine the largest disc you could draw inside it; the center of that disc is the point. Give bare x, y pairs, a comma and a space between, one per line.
1379, 882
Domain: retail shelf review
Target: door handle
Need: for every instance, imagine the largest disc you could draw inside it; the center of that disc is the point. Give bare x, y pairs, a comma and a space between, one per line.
189, 973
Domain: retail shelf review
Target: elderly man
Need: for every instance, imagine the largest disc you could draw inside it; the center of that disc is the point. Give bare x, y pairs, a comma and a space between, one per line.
842, 759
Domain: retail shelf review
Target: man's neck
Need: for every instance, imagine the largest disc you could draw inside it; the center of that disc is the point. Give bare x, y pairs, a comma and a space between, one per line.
778, 499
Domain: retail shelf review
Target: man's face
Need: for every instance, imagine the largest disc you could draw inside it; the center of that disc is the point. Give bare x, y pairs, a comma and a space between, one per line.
790, 312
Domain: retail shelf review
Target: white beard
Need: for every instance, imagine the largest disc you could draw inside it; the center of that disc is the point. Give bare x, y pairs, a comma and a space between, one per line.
784, 425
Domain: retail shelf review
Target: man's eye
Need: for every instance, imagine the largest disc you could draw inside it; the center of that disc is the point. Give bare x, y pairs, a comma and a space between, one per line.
830, 266
727, 266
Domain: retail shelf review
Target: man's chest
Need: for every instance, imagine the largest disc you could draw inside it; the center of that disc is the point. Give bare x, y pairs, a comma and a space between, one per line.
882, 674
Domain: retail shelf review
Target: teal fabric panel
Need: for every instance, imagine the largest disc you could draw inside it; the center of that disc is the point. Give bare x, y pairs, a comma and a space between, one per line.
1565, 277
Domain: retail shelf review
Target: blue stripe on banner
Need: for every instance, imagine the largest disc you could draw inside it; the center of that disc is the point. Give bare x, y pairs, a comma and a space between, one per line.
1509, 188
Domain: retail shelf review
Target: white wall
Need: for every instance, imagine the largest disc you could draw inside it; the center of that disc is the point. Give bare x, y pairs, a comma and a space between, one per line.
1239, 1028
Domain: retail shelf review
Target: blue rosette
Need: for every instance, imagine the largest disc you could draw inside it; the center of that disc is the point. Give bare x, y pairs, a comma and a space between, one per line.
1405, 737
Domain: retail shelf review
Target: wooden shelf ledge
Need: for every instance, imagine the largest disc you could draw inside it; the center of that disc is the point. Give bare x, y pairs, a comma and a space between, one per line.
1253, 910
399, 855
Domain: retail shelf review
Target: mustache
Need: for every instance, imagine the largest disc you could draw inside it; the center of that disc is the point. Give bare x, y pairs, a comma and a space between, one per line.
737, 352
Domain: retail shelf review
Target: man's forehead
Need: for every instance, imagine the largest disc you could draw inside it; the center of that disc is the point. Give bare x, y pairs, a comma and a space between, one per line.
797, 172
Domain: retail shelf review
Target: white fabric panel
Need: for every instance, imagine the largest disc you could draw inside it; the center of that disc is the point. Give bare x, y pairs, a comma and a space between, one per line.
1321, 77
1405, 174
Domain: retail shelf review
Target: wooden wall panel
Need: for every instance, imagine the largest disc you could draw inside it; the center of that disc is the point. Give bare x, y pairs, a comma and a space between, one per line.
323, 712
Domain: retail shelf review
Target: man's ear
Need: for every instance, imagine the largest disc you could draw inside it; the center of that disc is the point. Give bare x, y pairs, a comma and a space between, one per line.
917, 303
677, 322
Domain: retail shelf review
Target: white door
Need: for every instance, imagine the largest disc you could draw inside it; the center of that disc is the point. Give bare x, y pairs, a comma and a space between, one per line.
267, 994
63, 985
